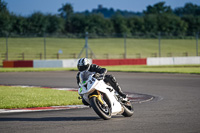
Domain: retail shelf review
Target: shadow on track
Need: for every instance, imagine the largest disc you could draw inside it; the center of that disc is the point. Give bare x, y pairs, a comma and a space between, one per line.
52, 119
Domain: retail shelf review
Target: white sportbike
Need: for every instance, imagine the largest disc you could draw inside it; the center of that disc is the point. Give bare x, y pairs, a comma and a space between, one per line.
102, 97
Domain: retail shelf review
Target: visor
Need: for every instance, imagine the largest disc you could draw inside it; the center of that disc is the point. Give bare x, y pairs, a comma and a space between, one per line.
83, 68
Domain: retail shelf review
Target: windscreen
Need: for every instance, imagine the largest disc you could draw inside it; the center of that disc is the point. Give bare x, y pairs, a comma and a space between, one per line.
85, 75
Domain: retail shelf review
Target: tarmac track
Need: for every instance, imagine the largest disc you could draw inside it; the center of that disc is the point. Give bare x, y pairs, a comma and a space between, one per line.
176, 108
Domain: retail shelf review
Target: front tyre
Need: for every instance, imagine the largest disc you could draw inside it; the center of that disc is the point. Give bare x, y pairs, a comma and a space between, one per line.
102, 110
128, 110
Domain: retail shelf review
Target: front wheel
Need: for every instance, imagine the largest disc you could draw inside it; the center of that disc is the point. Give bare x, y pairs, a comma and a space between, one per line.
128, 110
102, 110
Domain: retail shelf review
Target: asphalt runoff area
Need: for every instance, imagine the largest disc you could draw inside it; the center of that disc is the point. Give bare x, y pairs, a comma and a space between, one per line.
175, 107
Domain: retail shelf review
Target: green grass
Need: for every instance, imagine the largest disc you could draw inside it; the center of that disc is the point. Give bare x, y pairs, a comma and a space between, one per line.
25, 97
32, 47
18, 97
35, 69
190, 69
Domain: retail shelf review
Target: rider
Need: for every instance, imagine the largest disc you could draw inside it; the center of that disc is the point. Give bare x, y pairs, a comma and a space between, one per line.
84, 65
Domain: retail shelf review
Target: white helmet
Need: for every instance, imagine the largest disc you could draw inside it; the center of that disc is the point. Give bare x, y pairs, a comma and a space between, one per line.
83, 64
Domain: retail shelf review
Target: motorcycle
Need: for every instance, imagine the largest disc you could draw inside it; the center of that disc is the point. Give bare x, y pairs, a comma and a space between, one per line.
104, 100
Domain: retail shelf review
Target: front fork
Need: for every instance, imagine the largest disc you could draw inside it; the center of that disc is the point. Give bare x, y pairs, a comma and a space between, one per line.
98, 96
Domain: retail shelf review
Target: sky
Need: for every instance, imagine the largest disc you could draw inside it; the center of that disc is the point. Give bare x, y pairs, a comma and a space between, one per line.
27, 7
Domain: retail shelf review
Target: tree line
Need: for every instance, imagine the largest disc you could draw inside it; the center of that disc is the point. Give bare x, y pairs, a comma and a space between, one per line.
158, 18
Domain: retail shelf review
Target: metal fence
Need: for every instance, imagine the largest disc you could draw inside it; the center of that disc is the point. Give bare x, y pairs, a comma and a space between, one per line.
107, 46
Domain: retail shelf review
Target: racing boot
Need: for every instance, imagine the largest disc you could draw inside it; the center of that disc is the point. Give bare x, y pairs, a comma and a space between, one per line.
113, 82
119, 91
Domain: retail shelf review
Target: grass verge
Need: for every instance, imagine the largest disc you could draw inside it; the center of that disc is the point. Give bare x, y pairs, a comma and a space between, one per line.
33, 47
190, 69
27, 97
35, 69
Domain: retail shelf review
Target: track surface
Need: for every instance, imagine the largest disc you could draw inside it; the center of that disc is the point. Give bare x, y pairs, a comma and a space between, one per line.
177, 108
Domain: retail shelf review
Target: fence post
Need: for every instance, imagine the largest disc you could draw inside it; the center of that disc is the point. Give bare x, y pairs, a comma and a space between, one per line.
73, 55
197, 37
153, 54
44, 46
185, 54
159, 39
86, 43
138, 55
40, 56
22, 56
125, 46
57, 55
6, 47
169, 54
106, 56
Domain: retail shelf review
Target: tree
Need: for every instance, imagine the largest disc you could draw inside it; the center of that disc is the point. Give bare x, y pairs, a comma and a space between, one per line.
119, 24
98, 24
188, 9
94, 23
66, 11
19, 25
158, 8
193, 23
37, 23
78, 24
5, 23
150, 23
171, 24
3, 7
55, 24
136, 24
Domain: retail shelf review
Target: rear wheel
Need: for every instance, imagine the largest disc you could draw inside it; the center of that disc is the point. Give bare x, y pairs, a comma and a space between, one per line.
102, 110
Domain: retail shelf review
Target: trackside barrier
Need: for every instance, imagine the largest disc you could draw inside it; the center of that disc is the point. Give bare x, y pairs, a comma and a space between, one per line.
8, 63
72, 62
47, 63
110, 62
56, 63
104, 62
27, 63
173, 60
43, 63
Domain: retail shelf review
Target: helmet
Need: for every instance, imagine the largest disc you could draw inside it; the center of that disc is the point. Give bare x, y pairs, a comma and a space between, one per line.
83, 64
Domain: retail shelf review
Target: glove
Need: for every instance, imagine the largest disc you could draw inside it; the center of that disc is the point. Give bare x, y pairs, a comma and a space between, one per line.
99, 76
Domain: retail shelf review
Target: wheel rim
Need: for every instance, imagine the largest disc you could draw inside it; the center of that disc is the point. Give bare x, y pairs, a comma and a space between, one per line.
104, 108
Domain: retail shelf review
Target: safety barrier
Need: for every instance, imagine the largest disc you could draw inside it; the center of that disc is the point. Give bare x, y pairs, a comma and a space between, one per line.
104, 62
173, 60
42, 63
27, 63
110, 62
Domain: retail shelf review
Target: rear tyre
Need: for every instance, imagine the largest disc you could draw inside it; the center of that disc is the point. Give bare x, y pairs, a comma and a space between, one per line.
101, 110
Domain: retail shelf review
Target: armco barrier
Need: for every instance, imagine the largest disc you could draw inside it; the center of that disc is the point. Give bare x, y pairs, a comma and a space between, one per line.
104, 62
186, 60
25, 63
8, 63
173, 60
56, 63
47, 63
110, 62
160, 61
69, 63
43, 63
